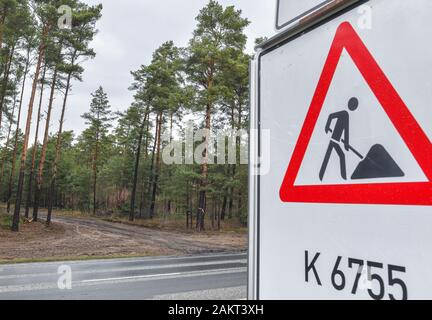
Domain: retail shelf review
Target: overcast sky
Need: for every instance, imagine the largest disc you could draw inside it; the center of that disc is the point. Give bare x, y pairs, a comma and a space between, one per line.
129, 32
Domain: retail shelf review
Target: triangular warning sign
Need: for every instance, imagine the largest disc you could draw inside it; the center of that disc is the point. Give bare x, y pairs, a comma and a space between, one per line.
406, 193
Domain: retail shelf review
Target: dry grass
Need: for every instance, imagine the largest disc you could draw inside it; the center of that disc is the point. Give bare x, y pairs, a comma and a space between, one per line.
28, 230
76, 236
175, 222
178, 224
37, 242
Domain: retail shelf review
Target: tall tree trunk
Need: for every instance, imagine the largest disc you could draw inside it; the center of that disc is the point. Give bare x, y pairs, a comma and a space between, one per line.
232, 191
223, 210
204, 173
222, 214
136, 169
39, 177
17, 209
143, 183
95, 160
58, 147
143, 180
169, 205
35, 146
238, 146
146, 144
152, 163
218, 219
6, 147
15, 150
232, 168
141, 206
157, 165
5, 82
204, 167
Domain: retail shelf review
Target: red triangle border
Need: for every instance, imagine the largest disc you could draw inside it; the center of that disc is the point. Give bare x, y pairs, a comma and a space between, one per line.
418, 193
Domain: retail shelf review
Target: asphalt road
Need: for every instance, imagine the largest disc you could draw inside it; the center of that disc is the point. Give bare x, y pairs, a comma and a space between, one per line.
218, 276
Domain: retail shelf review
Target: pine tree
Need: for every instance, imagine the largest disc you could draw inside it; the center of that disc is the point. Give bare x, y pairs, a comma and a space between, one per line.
29, 45
47, 15
18, 25
161, 90
130, 134
219, 33
35, 147
54, 59
234, 102
78, 40
99, 119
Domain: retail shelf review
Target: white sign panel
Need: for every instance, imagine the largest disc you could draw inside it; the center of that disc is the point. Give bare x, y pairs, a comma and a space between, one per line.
289, 11
346, 209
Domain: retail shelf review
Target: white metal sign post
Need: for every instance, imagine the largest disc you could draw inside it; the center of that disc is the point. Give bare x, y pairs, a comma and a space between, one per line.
345, 211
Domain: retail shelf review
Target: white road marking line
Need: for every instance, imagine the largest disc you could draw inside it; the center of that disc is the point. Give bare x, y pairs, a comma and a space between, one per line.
125, 268
52, 286
168, 275
119, 260
131, 278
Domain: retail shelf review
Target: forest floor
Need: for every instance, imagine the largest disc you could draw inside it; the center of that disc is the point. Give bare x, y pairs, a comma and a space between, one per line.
76, 237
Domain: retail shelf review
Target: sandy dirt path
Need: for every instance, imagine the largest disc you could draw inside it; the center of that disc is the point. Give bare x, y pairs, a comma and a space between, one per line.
72, 237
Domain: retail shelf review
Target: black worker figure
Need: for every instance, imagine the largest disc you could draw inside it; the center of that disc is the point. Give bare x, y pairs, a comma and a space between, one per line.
340, 135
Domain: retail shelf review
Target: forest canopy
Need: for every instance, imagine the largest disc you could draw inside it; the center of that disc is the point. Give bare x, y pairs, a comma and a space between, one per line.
115, 165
